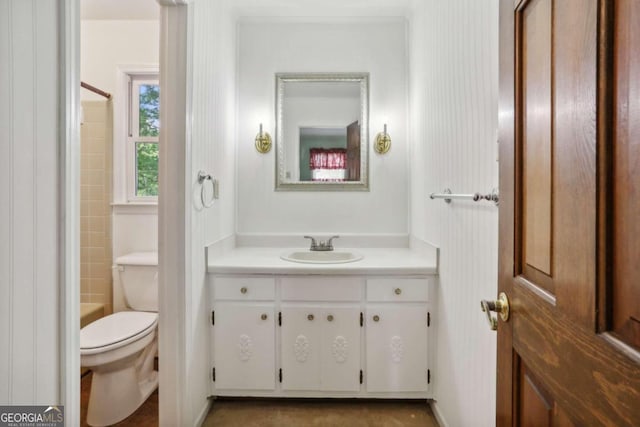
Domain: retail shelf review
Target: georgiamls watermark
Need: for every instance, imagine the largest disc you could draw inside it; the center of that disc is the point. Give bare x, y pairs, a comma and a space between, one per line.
31, 416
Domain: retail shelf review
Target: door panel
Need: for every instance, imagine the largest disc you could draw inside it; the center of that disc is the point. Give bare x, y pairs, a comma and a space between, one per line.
536, 138
300, 347
244, 351
569, 209
340, 359
534, 403
396, 353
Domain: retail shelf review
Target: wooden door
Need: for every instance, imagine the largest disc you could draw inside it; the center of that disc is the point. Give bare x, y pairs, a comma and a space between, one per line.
244, 349
397, 357
353, 152
569, 213
340, 352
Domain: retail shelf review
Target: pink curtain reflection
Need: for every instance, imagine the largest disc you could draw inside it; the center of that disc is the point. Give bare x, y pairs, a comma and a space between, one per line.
328, 164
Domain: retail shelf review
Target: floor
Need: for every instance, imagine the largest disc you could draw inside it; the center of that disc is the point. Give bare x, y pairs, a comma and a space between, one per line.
287, 412
319, 413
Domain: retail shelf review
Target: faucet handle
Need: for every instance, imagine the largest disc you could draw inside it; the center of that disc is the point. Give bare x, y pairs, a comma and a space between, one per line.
313, 241
330, 241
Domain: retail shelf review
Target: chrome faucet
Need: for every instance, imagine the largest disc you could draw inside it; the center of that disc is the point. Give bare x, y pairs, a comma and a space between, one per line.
323, 245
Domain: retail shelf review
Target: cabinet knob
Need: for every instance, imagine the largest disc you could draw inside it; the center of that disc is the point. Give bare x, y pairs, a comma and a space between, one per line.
397, 291
310, 317
264, 316
330, 318
243, 290
376, 318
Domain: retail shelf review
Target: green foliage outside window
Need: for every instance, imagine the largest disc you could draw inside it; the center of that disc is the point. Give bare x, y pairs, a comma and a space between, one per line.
147, 152
147, 169
149, 120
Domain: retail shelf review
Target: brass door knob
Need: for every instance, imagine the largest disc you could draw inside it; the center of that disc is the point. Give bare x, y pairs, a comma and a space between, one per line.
243, 290
310, 317
397, 291
330, 318
264, 316
376, 318
500, 306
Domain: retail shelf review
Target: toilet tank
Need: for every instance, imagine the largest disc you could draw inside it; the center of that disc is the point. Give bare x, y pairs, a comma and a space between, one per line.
138, 274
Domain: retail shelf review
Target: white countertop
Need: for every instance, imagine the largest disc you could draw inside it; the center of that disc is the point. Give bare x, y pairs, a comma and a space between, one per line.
376, 261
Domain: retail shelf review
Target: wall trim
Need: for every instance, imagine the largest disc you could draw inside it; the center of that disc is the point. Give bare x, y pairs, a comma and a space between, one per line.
69, 208
438, 414
134, 208
203, 413
121, 162
174, 236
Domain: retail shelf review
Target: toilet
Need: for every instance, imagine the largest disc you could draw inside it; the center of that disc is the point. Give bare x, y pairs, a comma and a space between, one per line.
120, 348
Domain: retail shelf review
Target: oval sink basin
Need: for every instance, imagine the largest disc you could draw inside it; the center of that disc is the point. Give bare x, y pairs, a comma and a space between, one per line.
318, 257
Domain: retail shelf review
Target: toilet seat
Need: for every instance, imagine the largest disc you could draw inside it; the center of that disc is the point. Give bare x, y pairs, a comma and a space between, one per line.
116, 330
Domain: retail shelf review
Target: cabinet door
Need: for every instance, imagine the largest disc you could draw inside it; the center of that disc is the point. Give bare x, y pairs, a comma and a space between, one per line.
244, 346
340, 349
396, 348
300, 347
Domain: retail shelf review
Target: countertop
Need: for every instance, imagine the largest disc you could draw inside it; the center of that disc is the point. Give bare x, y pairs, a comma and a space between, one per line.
376, 261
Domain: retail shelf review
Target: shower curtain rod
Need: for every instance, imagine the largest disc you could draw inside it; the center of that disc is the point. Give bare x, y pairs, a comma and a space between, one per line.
95, 90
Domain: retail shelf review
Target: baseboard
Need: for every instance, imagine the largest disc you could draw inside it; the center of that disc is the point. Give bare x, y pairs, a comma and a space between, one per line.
203, 413
438, 414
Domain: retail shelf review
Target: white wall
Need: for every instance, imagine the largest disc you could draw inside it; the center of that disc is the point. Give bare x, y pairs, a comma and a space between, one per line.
212, 150
29, 210
454, 116
377, 46
107, 44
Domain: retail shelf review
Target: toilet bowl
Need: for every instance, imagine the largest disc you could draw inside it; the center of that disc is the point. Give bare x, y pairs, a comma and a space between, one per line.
120, 348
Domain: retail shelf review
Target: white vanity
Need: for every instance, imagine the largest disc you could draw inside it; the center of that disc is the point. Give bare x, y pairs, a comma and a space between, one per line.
284, 329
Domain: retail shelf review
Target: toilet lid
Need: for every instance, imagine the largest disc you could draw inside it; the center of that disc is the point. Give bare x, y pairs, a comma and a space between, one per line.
116, 328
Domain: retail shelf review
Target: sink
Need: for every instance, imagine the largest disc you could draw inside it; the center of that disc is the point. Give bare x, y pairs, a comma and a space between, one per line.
319, 257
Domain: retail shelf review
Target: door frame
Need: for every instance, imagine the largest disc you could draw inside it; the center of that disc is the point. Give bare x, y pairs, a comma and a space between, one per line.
69, 208
172, 314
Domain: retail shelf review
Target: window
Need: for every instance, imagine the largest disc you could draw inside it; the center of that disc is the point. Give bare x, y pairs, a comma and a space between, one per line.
142, 141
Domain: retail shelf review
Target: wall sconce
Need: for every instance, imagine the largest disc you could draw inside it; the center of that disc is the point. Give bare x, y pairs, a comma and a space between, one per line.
383, 141
263, 141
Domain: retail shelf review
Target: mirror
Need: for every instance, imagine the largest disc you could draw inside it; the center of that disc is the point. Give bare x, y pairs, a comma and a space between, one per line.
322, 131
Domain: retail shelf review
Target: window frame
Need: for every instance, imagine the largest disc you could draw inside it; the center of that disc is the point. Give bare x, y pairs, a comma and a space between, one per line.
135, 80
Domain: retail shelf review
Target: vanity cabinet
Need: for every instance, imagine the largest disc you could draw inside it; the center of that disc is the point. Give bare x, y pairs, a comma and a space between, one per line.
320, 336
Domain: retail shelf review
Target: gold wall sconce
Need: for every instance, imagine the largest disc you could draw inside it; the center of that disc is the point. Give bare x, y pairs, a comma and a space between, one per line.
383, 142
263, 141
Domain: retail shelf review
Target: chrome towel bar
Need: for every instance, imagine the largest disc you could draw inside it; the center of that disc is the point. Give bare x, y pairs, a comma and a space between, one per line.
476, 197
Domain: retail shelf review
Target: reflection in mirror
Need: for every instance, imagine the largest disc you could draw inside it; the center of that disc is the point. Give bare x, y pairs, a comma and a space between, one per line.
321, 122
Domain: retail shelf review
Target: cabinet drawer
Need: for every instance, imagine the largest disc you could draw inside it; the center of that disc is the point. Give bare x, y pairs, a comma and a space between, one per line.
321, 289
244, 288
397, 290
